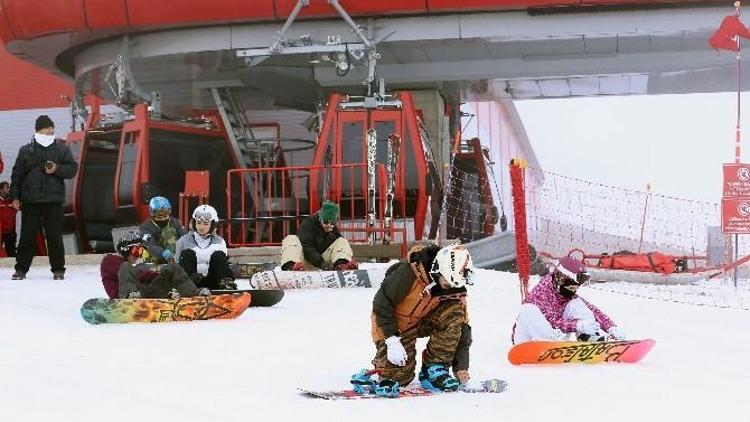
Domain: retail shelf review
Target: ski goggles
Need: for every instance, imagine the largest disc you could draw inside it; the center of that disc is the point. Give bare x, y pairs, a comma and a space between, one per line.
579, 280
466, 273
203, 217
138, 251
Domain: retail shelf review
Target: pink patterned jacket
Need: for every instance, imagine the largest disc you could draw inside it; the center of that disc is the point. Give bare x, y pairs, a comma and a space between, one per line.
552, 304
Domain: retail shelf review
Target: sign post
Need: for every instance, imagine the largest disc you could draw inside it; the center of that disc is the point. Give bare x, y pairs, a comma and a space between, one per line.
735, 204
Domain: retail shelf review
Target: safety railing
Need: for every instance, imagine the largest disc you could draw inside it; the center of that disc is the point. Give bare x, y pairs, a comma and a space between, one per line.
264, 205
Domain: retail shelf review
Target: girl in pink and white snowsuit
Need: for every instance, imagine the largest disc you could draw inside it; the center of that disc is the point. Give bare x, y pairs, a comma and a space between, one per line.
553, 310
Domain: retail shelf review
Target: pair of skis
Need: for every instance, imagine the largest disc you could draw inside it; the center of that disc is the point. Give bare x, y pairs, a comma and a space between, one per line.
392, 153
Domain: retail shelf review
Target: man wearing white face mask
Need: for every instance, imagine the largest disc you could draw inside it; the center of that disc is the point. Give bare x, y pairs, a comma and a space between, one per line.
38, 190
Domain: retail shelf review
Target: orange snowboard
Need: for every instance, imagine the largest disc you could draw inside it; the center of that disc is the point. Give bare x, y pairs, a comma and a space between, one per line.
535, 352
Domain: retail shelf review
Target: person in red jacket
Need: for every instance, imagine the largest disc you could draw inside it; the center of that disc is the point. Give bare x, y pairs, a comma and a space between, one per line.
7, 220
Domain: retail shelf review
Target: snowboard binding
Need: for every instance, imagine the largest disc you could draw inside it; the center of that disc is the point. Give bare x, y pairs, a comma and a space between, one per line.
436, 378
362, 383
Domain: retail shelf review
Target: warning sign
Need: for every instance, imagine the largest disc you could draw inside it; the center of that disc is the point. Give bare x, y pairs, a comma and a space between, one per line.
736, 180
735, 215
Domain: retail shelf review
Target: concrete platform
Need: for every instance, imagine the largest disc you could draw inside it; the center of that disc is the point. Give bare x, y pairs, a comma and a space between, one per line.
241, 255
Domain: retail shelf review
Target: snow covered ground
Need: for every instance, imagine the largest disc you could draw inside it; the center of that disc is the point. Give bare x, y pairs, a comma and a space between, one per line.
55, 367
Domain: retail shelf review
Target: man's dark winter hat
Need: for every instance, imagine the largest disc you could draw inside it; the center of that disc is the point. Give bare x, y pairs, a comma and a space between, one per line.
42, 122
329, 211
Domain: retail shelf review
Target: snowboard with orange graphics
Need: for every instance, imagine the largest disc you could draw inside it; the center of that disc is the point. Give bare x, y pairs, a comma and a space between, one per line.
554, 352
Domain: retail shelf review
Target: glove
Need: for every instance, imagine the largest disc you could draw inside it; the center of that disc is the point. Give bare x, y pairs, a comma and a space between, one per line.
617, 333
396, 352
298, 266
587, 326
134, 295
173, 294
203, 291
166, 254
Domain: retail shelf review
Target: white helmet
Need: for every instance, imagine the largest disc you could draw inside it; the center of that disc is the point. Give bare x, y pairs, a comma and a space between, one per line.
206, 213
454, 263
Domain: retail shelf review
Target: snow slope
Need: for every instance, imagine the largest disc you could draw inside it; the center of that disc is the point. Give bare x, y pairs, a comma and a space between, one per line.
54, 366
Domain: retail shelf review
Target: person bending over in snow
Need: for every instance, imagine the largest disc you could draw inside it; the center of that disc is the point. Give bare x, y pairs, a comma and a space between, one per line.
553, 310
161, 231
424, 296
318, 244
203, 254
128, 276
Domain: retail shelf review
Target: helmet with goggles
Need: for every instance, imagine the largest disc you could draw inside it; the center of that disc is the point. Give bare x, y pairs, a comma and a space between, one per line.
569, 270
569, 274
130, 244
160, 207
205, 213
454, 263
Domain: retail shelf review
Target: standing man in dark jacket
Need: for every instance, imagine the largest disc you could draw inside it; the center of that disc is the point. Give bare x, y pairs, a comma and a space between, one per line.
38, 190
318, 245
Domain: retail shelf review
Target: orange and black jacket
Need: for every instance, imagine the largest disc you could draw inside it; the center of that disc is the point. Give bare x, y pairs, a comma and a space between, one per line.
402, 302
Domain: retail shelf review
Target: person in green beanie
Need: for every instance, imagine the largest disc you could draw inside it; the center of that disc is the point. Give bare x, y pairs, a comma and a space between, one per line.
318, 245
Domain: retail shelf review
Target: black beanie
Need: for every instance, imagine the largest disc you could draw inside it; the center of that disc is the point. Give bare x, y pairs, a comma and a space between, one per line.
42, 122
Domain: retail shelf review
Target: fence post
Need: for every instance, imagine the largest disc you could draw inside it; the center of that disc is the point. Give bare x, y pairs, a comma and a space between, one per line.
523, 260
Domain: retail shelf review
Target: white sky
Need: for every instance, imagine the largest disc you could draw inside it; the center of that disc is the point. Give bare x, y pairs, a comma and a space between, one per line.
676, 142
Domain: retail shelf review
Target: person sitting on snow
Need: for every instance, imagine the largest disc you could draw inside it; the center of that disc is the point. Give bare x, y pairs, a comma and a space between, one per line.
128, 276
318, 244
161, 230
424, 296
553, 310
203, 254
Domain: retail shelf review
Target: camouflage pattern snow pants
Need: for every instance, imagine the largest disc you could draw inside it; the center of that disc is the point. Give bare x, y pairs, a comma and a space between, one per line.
442, 326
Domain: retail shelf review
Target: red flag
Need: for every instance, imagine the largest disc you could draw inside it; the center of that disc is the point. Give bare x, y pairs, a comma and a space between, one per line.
725, 38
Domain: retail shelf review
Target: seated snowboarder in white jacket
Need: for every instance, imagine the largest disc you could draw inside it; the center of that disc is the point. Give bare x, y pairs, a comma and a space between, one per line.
203, 254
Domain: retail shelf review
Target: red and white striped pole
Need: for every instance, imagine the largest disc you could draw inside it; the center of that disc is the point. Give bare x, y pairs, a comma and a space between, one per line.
738, 132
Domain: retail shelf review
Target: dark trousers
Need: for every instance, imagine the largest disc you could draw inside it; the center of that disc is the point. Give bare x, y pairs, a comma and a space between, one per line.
9, 243
218, 268
33, 217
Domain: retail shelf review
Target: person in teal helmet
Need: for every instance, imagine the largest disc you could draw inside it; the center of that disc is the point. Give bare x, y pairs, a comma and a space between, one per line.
161, 231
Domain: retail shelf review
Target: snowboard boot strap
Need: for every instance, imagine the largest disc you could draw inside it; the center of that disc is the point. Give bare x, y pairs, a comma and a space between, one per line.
362, 382
387, 388
436, 378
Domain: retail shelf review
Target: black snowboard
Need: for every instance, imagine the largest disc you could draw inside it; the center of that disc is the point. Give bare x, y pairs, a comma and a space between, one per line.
257, 297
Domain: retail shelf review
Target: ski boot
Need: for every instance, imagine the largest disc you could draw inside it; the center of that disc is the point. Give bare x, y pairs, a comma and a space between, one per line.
436, 377
227, 283
362, 383
344, 265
